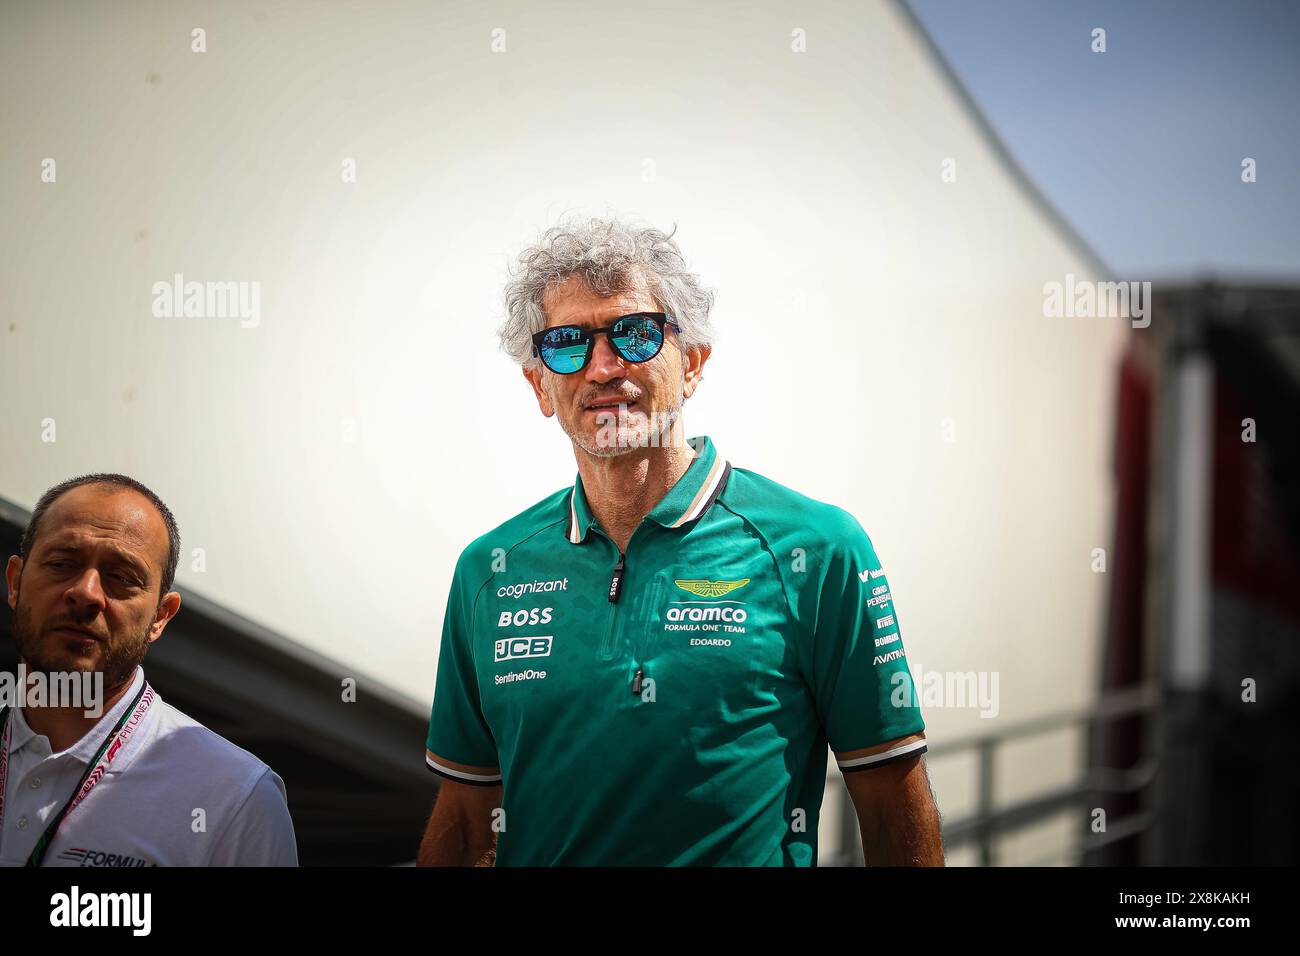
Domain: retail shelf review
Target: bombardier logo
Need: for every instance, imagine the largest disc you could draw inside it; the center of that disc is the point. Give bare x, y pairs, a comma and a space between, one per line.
510, 648
710, 589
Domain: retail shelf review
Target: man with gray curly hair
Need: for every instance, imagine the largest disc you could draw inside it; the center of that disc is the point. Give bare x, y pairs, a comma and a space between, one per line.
598, 268
647, 667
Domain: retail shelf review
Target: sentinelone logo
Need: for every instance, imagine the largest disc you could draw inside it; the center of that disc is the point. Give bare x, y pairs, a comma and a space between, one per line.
103, 909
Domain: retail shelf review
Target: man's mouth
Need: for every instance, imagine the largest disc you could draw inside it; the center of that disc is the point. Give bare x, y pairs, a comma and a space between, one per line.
609, 405
74, 633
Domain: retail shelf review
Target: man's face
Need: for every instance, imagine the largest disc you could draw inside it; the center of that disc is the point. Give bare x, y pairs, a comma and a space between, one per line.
652, 392
88, 596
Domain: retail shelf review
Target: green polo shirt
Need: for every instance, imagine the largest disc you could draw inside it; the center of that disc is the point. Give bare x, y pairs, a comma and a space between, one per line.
670, 705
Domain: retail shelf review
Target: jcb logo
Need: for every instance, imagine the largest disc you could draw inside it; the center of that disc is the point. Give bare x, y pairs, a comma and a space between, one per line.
532, 615
508, 648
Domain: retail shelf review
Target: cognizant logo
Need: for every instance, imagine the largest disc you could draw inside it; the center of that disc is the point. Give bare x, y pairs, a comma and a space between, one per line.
532, 587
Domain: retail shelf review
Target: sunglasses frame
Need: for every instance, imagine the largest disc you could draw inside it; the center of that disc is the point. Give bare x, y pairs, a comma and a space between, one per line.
661, 319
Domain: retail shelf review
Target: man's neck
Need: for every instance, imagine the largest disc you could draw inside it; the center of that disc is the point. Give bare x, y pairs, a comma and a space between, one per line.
624, 489
64, 726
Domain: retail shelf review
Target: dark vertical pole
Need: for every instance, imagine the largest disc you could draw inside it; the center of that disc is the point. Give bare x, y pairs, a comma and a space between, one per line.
985, 807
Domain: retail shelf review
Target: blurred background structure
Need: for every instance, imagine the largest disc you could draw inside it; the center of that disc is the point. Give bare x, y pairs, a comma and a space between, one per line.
1189, 751
1073, 506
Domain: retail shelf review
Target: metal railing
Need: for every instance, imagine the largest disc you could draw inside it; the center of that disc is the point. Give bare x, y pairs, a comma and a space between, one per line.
989, 823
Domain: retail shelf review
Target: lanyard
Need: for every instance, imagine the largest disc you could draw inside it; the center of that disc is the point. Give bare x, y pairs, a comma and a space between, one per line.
95, 770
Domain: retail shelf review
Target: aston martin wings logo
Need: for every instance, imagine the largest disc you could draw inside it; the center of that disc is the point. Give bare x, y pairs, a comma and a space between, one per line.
711, 589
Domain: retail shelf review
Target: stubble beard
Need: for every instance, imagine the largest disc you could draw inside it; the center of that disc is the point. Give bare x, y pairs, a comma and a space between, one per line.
118, 661
630, 436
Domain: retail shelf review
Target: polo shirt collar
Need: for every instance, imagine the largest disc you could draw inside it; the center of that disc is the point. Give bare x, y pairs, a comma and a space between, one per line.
84, 749
685, 501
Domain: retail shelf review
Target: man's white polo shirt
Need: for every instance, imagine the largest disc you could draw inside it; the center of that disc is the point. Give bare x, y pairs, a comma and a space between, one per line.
178, 795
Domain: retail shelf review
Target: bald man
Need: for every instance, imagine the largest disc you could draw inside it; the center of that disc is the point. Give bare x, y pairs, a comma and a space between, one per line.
131, 781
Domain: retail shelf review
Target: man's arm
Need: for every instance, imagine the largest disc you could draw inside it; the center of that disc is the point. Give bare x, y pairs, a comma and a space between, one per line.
460, 829
260, 833
896, 809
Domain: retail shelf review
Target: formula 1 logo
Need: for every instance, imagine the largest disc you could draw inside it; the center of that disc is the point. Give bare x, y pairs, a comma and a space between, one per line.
510, 648
102, 858
710, 589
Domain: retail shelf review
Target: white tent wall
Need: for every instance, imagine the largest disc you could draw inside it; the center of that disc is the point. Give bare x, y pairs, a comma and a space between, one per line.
882, 343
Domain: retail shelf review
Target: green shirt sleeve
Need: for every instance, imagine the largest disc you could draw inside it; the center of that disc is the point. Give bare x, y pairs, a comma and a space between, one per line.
860, 678
457, 728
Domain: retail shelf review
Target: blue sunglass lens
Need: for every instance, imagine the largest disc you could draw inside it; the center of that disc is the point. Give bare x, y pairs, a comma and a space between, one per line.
564, 350
638, 339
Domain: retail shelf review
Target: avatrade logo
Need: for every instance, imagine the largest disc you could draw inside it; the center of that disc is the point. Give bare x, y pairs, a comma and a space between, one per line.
710, 589
510, 648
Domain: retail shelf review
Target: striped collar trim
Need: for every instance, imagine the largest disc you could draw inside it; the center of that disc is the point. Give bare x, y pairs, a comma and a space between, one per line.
84, 749
686, 501
577, 527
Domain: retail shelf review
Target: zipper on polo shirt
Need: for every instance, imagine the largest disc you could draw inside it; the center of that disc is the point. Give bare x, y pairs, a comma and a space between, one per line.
616, 581
608, 651
615, 589
645, 632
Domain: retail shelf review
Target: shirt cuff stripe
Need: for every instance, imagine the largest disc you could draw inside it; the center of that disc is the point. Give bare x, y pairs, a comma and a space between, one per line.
460, 776
875, 760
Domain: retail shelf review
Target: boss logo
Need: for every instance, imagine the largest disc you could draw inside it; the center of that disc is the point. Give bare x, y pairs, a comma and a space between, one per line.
509, 648
532, 615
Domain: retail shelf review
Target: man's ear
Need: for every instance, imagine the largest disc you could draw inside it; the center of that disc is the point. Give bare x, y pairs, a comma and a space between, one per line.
167, 608
694, 359
13, 575
534, 376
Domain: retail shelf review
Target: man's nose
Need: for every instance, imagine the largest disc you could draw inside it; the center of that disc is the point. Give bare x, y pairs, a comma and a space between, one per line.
86, 594
605, 363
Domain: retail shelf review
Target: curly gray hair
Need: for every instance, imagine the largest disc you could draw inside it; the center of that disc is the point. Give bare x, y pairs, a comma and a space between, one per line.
610, 257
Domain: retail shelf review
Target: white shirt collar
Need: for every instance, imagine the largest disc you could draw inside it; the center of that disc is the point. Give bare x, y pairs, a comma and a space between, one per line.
21, 733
